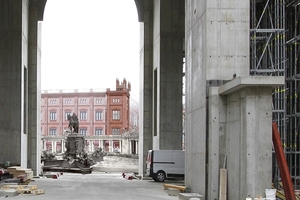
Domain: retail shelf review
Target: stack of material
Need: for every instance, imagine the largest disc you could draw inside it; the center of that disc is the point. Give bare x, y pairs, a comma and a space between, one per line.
22, 189
19, 174
4, 174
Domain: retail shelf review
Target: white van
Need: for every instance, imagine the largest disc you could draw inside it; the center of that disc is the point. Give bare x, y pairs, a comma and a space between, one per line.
163, 164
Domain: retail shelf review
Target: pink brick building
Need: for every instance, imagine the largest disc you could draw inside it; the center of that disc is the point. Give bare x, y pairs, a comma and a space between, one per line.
106, 118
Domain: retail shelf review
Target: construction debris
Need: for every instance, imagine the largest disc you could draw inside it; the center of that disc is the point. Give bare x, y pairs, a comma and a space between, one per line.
53, 175
14, 180
130, 176
178, 187
22, 189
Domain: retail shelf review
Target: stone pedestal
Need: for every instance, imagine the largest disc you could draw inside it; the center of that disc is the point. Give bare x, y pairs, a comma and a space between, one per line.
75, 159
75, 145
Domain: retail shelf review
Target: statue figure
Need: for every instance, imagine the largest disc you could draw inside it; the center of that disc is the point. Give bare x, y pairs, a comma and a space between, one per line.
73, 123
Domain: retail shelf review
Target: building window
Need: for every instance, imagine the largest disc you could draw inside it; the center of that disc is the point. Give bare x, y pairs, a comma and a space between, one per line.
83, 115
52, 101
116, 115
98, 131
116, 131
68, 101
83, 101
115, 100
83, 131
99, 115
67, 113
52, 131
52, 115
98, 101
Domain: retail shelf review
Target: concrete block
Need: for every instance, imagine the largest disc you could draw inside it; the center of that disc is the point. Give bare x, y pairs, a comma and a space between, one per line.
173, 192
188, 196
8, 193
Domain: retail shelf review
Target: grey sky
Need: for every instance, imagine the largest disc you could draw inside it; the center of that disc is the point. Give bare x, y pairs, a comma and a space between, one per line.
89, 43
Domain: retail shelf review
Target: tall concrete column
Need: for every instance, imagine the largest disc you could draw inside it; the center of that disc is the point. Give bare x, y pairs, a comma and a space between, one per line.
146, 83
168, 69
217, 49
13, 81
36, 8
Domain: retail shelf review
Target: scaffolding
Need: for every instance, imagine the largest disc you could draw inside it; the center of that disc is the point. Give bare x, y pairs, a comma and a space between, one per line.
274, 51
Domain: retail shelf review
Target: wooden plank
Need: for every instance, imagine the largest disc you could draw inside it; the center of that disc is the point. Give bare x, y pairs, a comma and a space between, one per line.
178, 187
39, 191
223, 184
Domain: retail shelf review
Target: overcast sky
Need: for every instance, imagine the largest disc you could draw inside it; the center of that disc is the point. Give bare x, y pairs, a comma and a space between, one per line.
89, 43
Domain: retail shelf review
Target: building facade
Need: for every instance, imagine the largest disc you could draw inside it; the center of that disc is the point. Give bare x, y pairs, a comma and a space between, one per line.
106, 119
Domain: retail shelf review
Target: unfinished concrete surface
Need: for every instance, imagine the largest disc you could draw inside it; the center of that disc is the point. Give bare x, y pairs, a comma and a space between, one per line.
215, 45
106, 186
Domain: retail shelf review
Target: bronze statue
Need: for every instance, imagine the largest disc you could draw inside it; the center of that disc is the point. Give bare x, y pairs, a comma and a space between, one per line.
73, 123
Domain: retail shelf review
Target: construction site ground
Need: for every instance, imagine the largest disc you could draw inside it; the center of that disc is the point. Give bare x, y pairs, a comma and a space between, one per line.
97, 185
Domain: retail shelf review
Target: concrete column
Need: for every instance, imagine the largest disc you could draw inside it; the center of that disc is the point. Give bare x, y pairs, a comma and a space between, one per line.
248, 134
217, 48
36, 8
215, 155
13, 81
168, 68
146, 84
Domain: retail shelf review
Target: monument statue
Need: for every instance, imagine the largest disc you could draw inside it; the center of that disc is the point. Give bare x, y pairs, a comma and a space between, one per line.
73, 123
75, 158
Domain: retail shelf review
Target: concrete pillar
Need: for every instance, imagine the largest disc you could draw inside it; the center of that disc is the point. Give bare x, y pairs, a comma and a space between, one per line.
36, 8
216, 131
13, 81
248, 134
217, 47
168, 68
146, 84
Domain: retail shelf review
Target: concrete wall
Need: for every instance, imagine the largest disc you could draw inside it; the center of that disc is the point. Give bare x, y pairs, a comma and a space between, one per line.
195, 137
239, 126
34, 89
146, 85
161, 72
217, 50
168, 62
13, 65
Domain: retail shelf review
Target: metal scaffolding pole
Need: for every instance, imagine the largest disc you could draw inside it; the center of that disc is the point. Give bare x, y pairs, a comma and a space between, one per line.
292, 83
268, 58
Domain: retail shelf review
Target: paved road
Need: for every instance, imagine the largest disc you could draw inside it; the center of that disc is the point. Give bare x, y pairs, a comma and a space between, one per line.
98, 185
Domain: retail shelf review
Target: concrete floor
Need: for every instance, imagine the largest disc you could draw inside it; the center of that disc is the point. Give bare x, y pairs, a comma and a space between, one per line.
99, 185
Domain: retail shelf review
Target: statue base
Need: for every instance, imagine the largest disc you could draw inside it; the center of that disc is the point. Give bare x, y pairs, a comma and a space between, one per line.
75, 158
